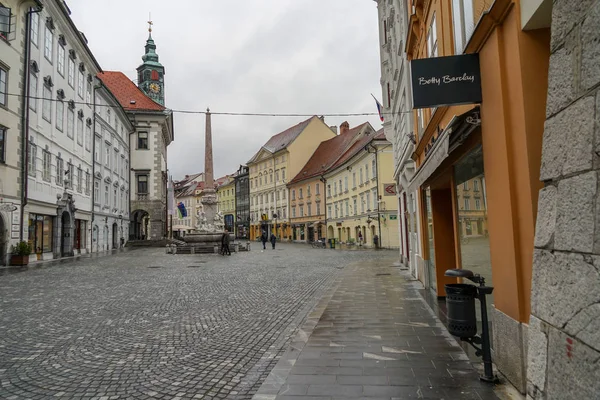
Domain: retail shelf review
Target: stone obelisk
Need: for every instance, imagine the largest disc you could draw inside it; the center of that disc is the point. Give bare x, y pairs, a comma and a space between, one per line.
209, 181
208, 223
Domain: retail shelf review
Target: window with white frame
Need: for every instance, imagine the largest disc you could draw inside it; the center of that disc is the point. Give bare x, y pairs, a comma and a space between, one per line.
35, 28
48, 43
80, 83
60, 171
32, 159
88, 93
375, 206
328, 211
116, 163
96, 192
97, 149
115, 204
106, 198
33, 81
360, 174
362, 203
3, 86
463, 23
60, 115
374, 167
318, 208
71, 72
301, 211
70, 123
317, 188
432, 45
309, 209
293, 212
477, 204
80, 130
46, 164
346, 183
347, 207
366, 172
79, 180
107, 156
308, 190
354, 206
354, 180
5, 16
47, 103
467, 206
71, 176
368, 201
60, 61
87, 183
88, 136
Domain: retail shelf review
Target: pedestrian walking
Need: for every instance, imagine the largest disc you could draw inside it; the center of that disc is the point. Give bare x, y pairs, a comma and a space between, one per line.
360, 238
273, 240
225, 243
263, 239
376, 241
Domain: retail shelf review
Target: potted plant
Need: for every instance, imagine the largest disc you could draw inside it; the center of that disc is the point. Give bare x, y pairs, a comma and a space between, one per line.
20, 254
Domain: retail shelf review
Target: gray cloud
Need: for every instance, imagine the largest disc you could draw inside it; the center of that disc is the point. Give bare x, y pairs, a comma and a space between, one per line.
274, 56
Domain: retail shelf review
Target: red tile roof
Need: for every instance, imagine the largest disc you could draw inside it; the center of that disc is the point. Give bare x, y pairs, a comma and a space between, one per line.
127, 93
327, 154
357, 146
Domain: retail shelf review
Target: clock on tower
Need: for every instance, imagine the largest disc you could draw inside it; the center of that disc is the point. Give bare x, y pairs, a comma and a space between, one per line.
151, 72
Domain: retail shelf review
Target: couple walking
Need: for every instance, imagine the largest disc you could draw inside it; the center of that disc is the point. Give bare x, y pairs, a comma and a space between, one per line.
263, 239
225, 243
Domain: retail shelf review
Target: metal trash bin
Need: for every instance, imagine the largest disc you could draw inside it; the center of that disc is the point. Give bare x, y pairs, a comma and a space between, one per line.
332, 243
460, 302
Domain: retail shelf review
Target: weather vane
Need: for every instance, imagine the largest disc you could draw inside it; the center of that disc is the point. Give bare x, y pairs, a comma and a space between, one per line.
150, 23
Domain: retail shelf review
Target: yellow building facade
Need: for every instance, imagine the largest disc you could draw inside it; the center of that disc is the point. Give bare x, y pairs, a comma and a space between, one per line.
272, 167
226, 202
361, 202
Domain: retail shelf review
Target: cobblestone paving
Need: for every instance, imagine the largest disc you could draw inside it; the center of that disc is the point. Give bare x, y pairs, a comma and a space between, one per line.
144, 324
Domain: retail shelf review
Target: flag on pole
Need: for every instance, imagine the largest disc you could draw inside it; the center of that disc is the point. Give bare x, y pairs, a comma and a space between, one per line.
379, 108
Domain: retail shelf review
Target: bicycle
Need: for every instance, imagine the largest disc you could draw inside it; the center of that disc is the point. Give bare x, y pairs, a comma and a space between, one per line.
318, 244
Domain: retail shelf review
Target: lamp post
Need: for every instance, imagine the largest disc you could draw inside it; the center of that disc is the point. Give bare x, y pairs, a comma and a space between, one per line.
275, 216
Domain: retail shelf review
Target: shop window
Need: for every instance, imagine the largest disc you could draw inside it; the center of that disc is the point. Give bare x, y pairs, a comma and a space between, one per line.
40, 233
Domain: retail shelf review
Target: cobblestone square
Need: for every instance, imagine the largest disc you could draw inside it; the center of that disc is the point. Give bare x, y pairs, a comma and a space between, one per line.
145, 324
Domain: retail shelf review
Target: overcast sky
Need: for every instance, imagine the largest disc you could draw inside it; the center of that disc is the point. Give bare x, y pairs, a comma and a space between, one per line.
265, 56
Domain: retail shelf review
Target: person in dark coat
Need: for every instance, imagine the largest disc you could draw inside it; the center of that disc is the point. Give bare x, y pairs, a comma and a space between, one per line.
273, 239
263, 239
225, 243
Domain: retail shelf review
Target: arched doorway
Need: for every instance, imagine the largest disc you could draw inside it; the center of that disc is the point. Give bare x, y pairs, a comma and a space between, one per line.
106, 239
115, 236
3, 240
66, 240
330, 232
138, 229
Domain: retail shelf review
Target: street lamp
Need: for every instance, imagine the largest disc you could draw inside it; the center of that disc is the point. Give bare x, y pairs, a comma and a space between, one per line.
275, 195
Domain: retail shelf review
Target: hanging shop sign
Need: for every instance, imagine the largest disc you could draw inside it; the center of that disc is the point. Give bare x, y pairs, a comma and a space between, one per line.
443, 81
389, 189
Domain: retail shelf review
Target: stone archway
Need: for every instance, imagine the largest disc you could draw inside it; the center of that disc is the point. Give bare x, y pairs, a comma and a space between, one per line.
138, 225
66, 234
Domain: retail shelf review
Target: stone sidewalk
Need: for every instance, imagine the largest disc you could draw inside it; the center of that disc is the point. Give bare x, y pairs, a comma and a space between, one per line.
373, 337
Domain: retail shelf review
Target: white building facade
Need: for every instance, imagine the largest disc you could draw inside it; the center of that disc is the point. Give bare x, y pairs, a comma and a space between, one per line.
110, 228
13, 17
59, 80
398, 123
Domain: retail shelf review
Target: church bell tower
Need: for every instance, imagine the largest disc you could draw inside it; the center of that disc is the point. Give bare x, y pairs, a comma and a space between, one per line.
151, 73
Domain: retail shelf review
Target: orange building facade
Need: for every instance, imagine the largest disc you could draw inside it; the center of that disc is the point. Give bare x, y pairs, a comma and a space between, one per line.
478, 165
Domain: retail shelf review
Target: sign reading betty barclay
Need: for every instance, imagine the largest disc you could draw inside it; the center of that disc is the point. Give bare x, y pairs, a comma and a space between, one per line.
443, 81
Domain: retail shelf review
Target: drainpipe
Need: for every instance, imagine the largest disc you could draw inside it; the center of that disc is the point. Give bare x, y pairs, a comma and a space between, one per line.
377, 190
25, 121
96, 87
322, 179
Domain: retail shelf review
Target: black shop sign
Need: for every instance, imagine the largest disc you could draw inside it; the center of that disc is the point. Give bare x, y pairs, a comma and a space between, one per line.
443, 81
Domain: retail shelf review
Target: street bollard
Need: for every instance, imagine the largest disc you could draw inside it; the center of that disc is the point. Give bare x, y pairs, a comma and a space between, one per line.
462, 320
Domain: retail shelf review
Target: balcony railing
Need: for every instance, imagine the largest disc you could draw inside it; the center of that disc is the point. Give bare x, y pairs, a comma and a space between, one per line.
142, 196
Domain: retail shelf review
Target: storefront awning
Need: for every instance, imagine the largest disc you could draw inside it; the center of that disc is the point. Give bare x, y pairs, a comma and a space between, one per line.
451, 137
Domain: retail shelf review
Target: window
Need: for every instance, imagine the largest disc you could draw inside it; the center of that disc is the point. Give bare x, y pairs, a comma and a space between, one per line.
88, 96
368, 201
463, 22
80, 84
375, 206
466, 185
47, 103
335, 188
71, 175
96, 192
46, 162
346, 183
329, 212
48, 44
328, 190
142, 184
354, 180
367, 172
31, 159
70, 123
477, 204
106, 199
300, 193
71, 76
467, 206
142, 140
271, 178
277, 176
476, 185
432, 50
60, 172
80, 130
35, 28
60, 115
309, 209
87, 183
97, 150
374, 167
361, 176
293, 212
115, 205
354, 207
3, 86
2, 144
308, 190
88, 136
107, 155
347, 208
283, 194
33, 91
60, 62
116, 163
317, 188
283, 173
362, 204
4, 21
301, 211
79, 180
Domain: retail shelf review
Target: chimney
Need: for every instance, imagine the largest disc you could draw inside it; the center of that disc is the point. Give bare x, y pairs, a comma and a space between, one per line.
344, 127
333, 128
